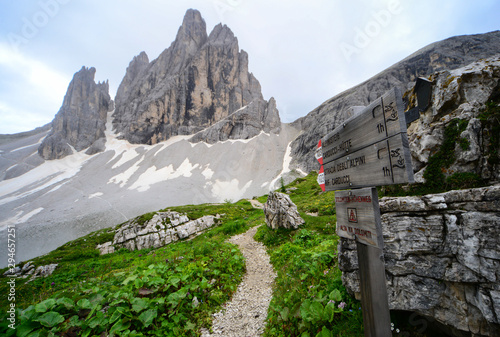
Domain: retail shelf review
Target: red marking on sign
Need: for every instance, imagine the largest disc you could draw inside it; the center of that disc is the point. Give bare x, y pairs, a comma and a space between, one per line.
319, 153
321, 178
352, 215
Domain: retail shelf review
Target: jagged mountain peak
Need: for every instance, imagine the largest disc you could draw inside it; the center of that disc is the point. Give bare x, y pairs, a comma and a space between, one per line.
80, 122
222, 34
196, 82
193, 31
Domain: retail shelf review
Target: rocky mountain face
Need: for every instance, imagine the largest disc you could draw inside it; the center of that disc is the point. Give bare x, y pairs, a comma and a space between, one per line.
449, 54
81, 121
199, 85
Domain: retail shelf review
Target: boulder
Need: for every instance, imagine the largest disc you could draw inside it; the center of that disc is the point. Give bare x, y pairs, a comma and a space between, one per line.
280, 211
162, 229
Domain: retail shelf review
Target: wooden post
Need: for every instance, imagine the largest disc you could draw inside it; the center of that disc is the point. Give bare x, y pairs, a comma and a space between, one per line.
374, 299
374, 304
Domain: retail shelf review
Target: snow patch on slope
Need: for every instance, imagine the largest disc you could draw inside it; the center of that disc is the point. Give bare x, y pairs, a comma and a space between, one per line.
47, 174
154, 175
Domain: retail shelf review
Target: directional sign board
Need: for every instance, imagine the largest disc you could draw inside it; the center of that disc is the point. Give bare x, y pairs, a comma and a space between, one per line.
357, 216
382, 163
370, 148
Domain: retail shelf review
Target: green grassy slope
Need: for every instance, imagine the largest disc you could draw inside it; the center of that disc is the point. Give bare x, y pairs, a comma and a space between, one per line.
172, 291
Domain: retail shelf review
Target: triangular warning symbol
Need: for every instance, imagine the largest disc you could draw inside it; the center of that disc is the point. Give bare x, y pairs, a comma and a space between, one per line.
352, 215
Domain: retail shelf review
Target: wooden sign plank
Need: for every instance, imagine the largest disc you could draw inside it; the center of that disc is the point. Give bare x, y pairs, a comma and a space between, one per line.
382, 119
358, 216
384, 163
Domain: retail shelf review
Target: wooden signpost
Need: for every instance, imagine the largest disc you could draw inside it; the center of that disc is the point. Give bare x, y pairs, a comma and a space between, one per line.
369, 149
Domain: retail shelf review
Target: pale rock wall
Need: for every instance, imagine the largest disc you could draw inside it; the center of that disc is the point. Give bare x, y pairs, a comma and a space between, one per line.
442, 258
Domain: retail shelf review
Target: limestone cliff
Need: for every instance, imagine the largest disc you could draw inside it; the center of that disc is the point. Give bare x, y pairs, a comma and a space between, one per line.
442, 260
81, 121
198, 81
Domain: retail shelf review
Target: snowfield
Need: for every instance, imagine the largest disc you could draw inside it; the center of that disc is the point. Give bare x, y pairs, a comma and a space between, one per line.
61, 200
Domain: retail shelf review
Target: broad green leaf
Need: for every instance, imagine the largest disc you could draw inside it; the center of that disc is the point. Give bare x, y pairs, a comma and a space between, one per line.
324, 332
138, 283
50, 319
284, 313
316, 311
190, 326
24, 329
174, 281
305, 334
96, 298
98, 319
86, 333
67, 302
305, 312
139, 304
37, 333
124, 311
148, 316
115, 316
45, 305
329, 312
155, 281
295, 312
129, 279
75, 321
29, 313
84, 304
119, 326
335, 295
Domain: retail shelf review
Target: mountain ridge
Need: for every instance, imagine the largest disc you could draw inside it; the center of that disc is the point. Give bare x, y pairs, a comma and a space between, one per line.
424, 62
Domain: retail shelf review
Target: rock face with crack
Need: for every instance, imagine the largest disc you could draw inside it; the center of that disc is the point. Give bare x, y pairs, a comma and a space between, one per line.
200, 84
442, 258
81, 121
280, 211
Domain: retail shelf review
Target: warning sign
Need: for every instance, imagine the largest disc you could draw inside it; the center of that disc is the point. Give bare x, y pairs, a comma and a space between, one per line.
352, 215
356, 216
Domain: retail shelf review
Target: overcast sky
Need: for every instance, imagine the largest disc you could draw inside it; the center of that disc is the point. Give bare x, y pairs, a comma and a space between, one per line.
302, 52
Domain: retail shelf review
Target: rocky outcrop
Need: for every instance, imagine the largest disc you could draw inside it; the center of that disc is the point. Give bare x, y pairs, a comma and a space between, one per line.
449, 54
163, 228
464, 100
442, 258
199, 82
280, 211
81, 121
29, 270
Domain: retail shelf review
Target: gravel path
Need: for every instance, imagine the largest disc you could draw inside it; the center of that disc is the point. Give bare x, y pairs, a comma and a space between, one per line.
245, 314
